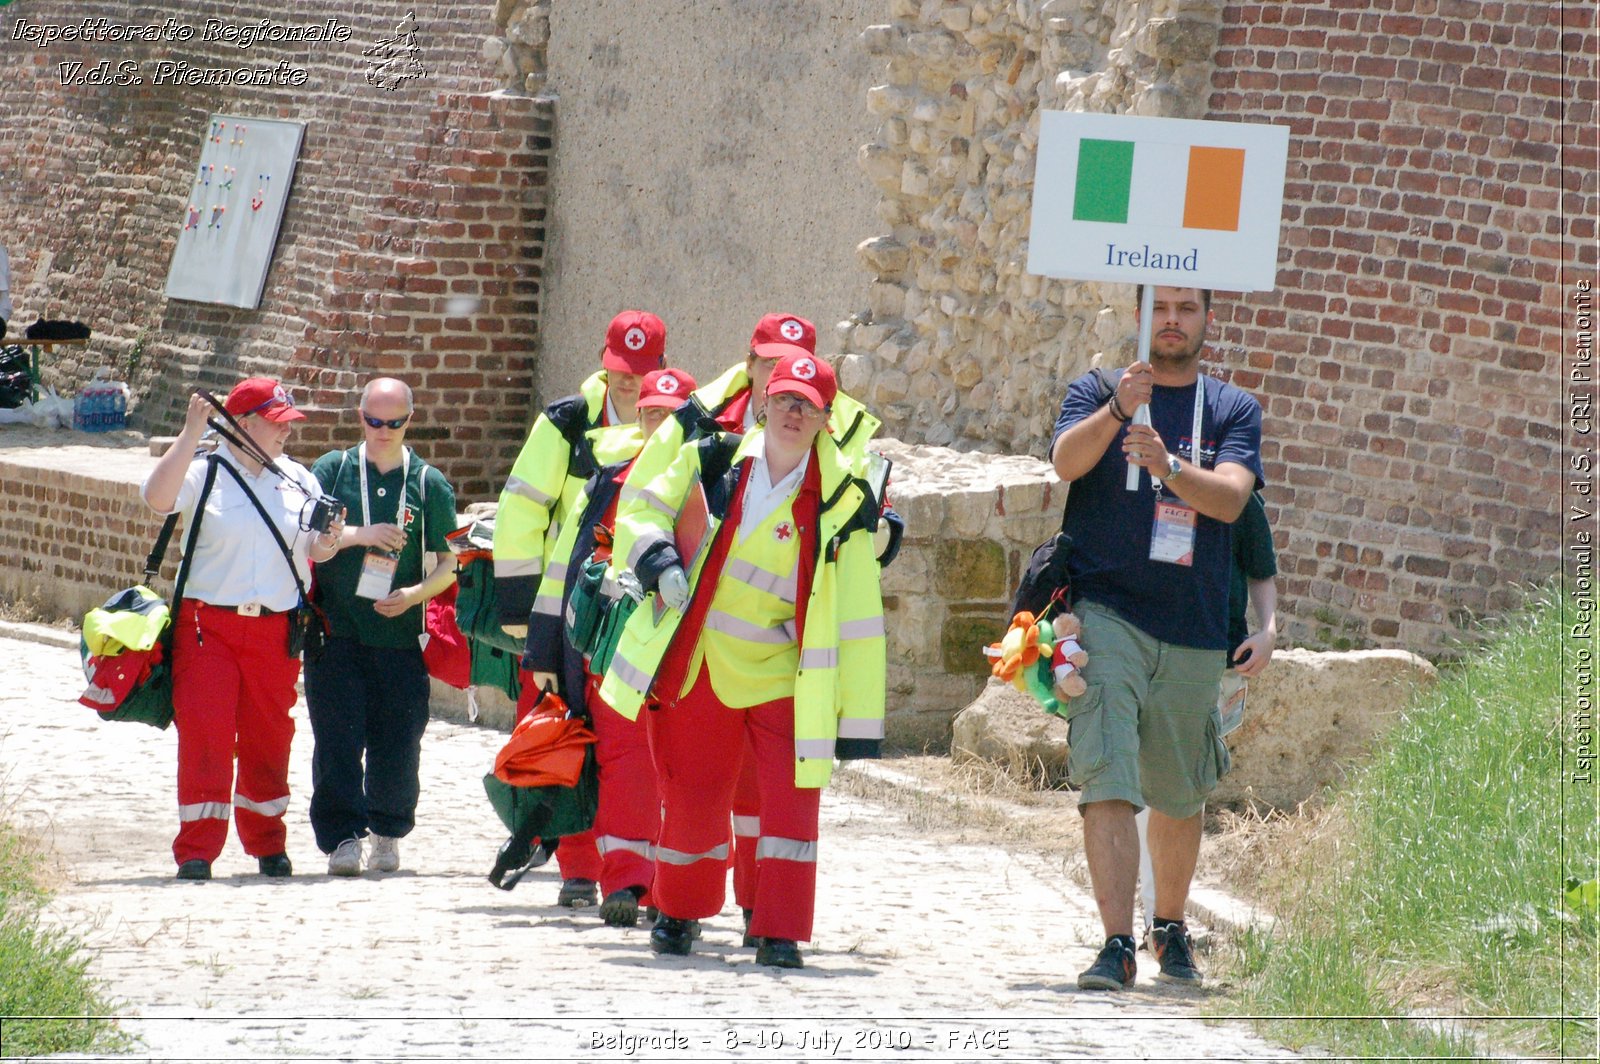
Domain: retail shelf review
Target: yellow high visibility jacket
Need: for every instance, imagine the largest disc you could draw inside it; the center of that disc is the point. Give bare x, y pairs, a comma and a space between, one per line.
850, 425
839, 676
565, 447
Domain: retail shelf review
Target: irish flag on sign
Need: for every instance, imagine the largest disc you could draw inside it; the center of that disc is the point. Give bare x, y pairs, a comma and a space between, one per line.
1176, 186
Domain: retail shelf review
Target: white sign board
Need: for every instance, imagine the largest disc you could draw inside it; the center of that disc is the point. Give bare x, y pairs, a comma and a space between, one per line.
1158, 201
228, 224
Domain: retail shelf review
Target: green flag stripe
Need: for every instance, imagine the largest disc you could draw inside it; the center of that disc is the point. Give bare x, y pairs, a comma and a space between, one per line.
1105, 176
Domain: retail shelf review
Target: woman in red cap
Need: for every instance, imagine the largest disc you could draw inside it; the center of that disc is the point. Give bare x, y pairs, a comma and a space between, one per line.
570, 440
759, 552
616, 852
233, 675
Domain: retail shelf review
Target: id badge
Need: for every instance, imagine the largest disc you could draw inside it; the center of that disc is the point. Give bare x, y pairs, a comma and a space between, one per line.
377, 575
1172, 540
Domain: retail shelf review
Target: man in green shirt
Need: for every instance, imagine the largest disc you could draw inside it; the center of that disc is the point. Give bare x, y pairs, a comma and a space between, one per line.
368, 692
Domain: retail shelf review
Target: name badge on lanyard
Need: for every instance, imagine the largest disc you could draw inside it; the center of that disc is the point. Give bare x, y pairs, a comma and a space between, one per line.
1172, 537
378, 568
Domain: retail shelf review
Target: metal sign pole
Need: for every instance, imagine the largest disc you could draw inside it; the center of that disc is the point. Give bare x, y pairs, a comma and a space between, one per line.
1141, 415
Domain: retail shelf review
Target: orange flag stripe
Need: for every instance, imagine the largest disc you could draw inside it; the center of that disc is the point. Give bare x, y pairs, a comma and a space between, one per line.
1216, 182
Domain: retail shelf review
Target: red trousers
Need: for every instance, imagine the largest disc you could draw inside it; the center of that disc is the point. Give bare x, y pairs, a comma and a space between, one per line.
232, 689
746, 830
698, 745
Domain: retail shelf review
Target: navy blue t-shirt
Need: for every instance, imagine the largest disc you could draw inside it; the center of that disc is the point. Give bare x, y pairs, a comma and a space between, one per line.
1111, 526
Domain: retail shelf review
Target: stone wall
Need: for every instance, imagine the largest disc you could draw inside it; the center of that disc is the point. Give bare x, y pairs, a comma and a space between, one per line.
971, 524
410, 243
1406, 361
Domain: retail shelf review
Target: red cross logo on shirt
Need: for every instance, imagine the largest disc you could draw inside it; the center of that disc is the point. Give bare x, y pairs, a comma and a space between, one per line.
784, 532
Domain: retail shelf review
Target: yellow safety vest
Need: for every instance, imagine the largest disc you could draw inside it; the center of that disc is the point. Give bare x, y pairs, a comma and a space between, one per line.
840, 671
542, 489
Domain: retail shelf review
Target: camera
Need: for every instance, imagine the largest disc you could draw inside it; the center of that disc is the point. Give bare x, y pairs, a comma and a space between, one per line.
323, 512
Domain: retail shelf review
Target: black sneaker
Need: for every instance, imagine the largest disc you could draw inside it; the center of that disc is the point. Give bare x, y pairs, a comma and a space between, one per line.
621, 907
275, 865
1112, 970
1175, 954
195, 869
779, 953
673, 936
577, 893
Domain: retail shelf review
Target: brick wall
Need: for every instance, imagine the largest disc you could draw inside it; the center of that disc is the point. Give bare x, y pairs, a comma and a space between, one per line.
74, 527
403, 200
1441, 180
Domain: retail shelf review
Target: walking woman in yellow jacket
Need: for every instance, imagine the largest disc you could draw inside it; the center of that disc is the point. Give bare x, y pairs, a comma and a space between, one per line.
765, 621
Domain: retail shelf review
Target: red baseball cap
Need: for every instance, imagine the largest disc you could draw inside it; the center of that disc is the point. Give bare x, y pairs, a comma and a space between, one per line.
263, 397
635, 343
805, 375
777, 335
665, 387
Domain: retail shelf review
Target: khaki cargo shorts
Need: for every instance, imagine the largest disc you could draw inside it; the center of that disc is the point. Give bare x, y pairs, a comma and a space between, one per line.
1147, 730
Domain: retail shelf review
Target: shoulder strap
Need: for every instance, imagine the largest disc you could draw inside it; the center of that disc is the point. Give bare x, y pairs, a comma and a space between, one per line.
193, 534
271, 527
717, 473
571, 416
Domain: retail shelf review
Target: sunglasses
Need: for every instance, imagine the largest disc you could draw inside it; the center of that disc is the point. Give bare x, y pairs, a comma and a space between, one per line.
277, 400
789, 403
380, 423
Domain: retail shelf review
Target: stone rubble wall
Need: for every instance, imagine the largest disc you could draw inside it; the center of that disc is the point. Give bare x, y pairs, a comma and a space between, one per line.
972, 521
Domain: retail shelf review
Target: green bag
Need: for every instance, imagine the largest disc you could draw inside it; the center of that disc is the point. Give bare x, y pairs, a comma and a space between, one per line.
586, 606
547, 812
612, 623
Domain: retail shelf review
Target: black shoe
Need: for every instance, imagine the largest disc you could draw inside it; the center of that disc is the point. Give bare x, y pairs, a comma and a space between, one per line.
779, 953
749, 939
674, 936
621, 907
576, 893
275, 866
1175, 954
195, 869
1113, 969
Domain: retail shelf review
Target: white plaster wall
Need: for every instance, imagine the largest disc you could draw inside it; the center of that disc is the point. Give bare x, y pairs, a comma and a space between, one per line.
705, 170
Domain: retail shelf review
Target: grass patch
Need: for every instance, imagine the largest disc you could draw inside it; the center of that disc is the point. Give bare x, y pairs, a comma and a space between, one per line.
48, 1002
1436, 875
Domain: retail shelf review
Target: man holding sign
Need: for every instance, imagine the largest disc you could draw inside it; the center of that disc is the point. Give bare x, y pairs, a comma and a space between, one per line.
1150, 568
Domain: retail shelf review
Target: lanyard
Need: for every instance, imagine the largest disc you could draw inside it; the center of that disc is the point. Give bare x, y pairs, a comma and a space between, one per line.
405, 478
1194, 433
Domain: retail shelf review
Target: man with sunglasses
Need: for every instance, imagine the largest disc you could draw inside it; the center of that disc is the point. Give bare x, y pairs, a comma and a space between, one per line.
368, 693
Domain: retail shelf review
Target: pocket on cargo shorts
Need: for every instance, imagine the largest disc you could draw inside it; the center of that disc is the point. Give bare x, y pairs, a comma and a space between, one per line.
1087, 755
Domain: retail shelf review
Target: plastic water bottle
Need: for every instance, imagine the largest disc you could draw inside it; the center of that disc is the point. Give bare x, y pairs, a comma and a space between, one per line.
119, 406
80, 410
97, 407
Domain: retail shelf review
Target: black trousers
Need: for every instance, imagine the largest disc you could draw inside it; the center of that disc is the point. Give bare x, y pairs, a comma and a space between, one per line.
371, 700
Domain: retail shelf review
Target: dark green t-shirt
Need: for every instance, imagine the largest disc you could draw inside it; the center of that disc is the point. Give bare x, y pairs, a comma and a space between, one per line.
339, 473
1254, 558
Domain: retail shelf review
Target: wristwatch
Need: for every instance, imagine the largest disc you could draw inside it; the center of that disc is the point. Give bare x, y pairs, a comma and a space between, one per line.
1173, 468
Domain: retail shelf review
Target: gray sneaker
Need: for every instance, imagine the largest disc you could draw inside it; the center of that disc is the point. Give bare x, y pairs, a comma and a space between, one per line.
383, 853
1175, 953
345, 860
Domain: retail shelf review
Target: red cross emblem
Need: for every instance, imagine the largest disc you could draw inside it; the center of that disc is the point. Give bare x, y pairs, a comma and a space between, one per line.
784, 532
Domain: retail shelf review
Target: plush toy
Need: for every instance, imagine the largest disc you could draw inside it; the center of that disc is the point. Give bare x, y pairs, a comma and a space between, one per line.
1017, 649
1041, 658
1067, 657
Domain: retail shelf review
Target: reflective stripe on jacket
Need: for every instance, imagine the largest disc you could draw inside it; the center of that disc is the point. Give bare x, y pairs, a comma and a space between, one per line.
839, 681
541, 490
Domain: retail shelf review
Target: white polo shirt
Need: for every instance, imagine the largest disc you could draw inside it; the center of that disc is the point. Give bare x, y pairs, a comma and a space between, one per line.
236, 560
762, 496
